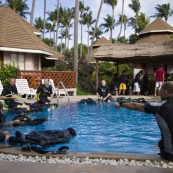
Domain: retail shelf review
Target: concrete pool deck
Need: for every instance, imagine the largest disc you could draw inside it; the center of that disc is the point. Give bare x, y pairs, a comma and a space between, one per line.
26, 167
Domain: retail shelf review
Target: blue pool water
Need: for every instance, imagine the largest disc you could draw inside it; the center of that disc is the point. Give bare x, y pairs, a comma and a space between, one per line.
100, 128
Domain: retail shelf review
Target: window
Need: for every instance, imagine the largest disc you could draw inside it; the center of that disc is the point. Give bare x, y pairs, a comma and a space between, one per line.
18, 59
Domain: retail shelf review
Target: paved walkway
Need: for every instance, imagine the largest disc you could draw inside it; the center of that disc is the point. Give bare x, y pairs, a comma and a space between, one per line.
26, 167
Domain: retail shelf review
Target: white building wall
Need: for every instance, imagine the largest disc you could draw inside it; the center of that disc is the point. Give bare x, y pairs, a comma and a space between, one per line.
29, 61
7, 56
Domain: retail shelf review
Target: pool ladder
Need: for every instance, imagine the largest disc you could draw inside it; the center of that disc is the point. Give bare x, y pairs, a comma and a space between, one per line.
66, 93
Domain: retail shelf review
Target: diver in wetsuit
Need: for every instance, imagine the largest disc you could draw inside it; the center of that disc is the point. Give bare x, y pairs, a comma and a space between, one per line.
43, 92
103, 92
163, 112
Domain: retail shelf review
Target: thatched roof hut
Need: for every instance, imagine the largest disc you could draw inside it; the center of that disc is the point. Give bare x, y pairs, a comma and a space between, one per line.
101, 42
146, 52
157, 31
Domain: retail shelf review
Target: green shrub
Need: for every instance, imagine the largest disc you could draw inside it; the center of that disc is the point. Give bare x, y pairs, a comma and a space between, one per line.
6, 72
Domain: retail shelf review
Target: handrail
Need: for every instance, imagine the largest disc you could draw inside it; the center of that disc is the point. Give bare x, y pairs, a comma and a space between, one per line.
65, 93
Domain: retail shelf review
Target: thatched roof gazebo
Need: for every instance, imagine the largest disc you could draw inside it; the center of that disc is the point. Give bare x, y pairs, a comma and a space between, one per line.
99, 43
157, 31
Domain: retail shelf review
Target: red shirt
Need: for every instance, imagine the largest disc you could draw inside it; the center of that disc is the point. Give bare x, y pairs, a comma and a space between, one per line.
159, 74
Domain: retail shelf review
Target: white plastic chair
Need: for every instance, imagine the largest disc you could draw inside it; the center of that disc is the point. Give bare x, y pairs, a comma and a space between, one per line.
54, 90
23, 88
1, 87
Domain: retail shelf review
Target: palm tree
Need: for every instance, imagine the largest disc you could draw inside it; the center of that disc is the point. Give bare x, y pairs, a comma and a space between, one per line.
52, 16
164, 11
108, 25
49, 27
82, 9
57, 24
94, 32
76, 38
135, 6
98, 33
125, 20
113, 4
19, 6
121, 19
44, 25
39, 23
32, 12
88, 20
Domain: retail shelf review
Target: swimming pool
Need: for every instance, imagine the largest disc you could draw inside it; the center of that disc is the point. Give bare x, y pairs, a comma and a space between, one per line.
99, 127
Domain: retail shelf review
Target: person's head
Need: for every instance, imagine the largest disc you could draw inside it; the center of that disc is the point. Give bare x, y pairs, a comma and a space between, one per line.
161, 65
1, 106
103, 83
166, 90
12, 81
116, 74
124, 72
146, 74
46, 81
141, 73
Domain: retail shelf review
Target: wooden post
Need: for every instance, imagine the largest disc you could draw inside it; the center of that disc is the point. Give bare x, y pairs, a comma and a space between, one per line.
117, 66
18, 73
97, 73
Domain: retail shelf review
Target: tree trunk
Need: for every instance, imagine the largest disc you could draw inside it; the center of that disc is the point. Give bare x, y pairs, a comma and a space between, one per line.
121, 20
68, 38
98, 15
57, 23
76, 38
5, 3
111, 35
50, 34
112, 25
81, 38
44, 18
61, 40
88, 41
32, 12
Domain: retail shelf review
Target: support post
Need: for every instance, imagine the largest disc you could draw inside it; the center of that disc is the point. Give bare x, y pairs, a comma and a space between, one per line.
97, 73
117, 67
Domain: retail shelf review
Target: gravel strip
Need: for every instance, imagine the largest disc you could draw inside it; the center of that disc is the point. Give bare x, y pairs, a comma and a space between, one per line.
86, 160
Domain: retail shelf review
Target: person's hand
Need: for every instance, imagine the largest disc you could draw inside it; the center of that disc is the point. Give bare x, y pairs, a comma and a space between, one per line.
7, 133
117, 105
16, 121
139, 86
7, 137
104, 98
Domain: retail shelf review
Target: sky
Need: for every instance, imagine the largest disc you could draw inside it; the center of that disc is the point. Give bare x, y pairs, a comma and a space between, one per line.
147, 7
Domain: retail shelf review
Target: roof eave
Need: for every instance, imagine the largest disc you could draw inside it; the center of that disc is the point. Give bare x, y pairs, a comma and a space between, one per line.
37, 33
9, 49
155, 31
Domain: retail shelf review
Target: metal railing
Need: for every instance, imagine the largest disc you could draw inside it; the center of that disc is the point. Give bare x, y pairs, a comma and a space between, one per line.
66, 93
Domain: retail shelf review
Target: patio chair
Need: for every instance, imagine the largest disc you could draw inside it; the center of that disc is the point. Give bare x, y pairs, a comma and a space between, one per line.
55, 90
1, 87
23, 88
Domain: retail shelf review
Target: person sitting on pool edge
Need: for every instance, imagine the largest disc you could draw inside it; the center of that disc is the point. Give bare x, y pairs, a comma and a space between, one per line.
9, 93
103, 92
43, 92
163, 112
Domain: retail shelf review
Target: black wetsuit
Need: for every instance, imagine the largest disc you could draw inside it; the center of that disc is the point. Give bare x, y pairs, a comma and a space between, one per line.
43, 92
145, 83
163, 113
8, 91
103, 91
